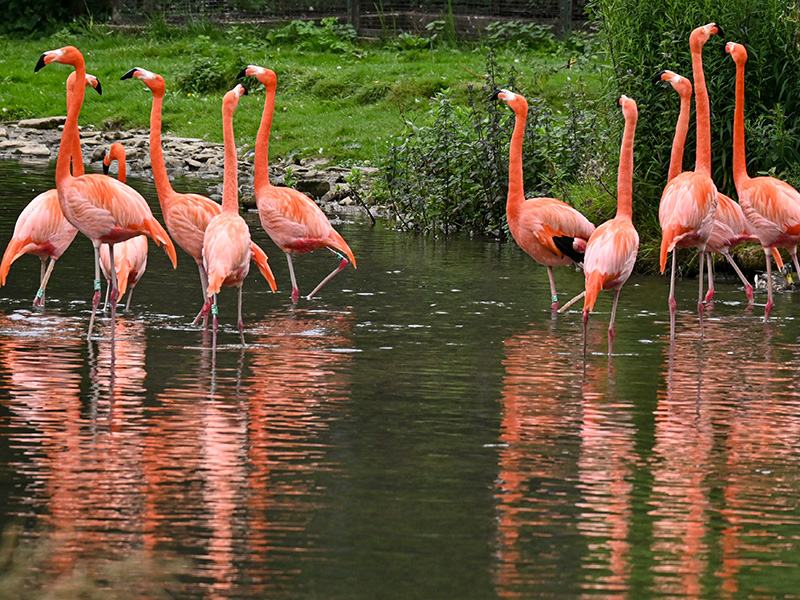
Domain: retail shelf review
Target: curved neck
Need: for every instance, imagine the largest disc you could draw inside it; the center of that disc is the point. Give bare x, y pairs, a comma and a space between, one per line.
160, 176
122, 170
77, 153
230, 180
739, 160
71, 136
703, 159
625, 173
679, 141
261, 160
516, 189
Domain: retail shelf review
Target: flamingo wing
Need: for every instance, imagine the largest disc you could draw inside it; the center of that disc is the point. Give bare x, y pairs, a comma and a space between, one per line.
550, 230
260, 258
226, 251
187, 220
772, 207
611, 252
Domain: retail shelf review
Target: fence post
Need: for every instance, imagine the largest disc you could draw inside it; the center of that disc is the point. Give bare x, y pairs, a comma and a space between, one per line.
564, 17
353, 13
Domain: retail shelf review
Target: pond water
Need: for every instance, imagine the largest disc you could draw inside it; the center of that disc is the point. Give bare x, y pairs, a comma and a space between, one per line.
425, 429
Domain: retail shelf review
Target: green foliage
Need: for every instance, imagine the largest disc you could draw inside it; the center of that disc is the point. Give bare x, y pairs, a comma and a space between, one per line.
37, 18
643, 37
449, 170
532, 35
328, 36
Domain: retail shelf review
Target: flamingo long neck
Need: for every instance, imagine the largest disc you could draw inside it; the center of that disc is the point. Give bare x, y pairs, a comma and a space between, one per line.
77, 153
163, 186
703, 158
625, 173
230, 180
739, 161
261, 161
122, 169
679, 141
516, 190
71, 136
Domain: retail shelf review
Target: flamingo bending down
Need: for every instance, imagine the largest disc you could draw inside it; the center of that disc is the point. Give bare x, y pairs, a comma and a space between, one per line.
291, 219
226, 245
771, 206
41, 228
730, 228
549, 230
130, 256
104, 209
186, 216
611, 251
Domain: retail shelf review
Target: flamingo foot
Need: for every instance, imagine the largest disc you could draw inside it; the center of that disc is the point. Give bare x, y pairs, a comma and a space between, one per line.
554, 306
710, 295
203, 313
748, 289
673, 305
39, 299
610, 338
295, 295
767, 310
701, 309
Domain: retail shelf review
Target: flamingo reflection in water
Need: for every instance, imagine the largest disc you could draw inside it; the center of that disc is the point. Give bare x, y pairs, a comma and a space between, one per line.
82, 473
544, 401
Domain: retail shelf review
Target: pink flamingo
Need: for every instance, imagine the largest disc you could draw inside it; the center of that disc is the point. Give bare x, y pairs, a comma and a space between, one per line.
689, 200
771, 206
612, 248
291, 219
41, 228
185, 215
730, 227
130, 256
549, 230
226, 245
105, 210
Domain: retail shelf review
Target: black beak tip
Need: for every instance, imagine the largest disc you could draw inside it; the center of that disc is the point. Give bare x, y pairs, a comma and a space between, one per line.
99, 88
105, 169
129, 74
245, 92
40, 64
657, 76
495, 96
243, 73
719, 31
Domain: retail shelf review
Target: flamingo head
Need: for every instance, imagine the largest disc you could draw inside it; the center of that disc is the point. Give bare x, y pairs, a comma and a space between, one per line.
91, 81
681, 84
68, 55
152, 80
737, 52
629, 108
265, 76
515, 101
700, 35
115, 152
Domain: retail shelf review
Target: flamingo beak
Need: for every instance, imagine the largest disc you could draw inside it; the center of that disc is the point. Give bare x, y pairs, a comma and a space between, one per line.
130, 73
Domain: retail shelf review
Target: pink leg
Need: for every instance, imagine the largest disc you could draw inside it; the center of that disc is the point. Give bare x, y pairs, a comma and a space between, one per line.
241, 321
114, 293
611, 321
748, 289
710, 292
206, 303
769, 285
45, 275
295, 290
96, 298
700, 306
215, 324
553, 294
342, 264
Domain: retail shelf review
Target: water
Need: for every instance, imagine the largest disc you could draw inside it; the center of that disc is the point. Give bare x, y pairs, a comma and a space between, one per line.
424, 429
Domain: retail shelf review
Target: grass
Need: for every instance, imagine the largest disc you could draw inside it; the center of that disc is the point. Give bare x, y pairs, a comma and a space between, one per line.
342, 105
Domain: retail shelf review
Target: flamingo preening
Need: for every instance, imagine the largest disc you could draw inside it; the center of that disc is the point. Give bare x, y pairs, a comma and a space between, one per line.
130, 256
186, 216
771, 206
104, 209
549, 230
612, 248
41, 228
291, 219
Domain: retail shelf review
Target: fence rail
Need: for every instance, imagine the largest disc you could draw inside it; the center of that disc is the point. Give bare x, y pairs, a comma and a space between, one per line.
368, 17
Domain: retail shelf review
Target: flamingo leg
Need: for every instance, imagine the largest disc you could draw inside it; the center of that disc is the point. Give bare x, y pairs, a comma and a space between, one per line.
97, 286
114, 293
673, 306
215, 323
710, 292
585, 328
793, 252
611, 322
748, 289
769, 285
700, 306
108, 292
128, 303
241, 321
553, 294
39, 300
206, 304
342, 265
295, 290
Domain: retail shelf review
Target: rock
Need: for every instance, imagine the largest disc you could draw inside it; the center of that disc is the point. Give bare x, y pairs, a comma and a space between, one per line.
33, 150
45, 123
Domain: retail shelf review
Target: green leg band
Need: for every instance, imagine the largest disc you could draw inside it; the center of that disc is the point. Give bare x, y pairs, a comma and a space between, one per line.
40, 293
214, 310
97, 285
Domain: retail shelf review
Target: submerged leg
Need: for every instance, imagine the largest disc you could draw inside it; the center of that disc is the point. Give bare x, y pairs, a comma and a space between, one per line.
700, 306
748, 289
553, 294
673, 306
241, 321
40, 294
295, 290
206, 304
769, 285
114, 293
96, 297
611, 322
342, 265
710, 292
215, 324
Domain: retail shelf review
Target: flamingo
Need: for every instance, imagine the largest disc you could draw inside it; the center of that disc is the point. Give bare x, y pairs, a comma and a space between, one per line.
104, 209
291, 219
730, 227
612, 248
41, 228
226, 244
549, 230
689, 200
771, 206
130, 256
185, 215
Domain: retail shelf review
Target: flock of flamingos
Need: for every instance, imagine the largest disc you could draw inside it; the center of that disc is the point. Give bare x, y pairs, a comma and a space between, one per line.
115, 217
692, 213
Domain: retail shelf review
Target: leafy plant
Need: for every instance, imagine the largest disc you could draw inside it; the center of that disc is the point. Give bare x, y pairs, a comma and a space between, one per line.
532, 35
328, 36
